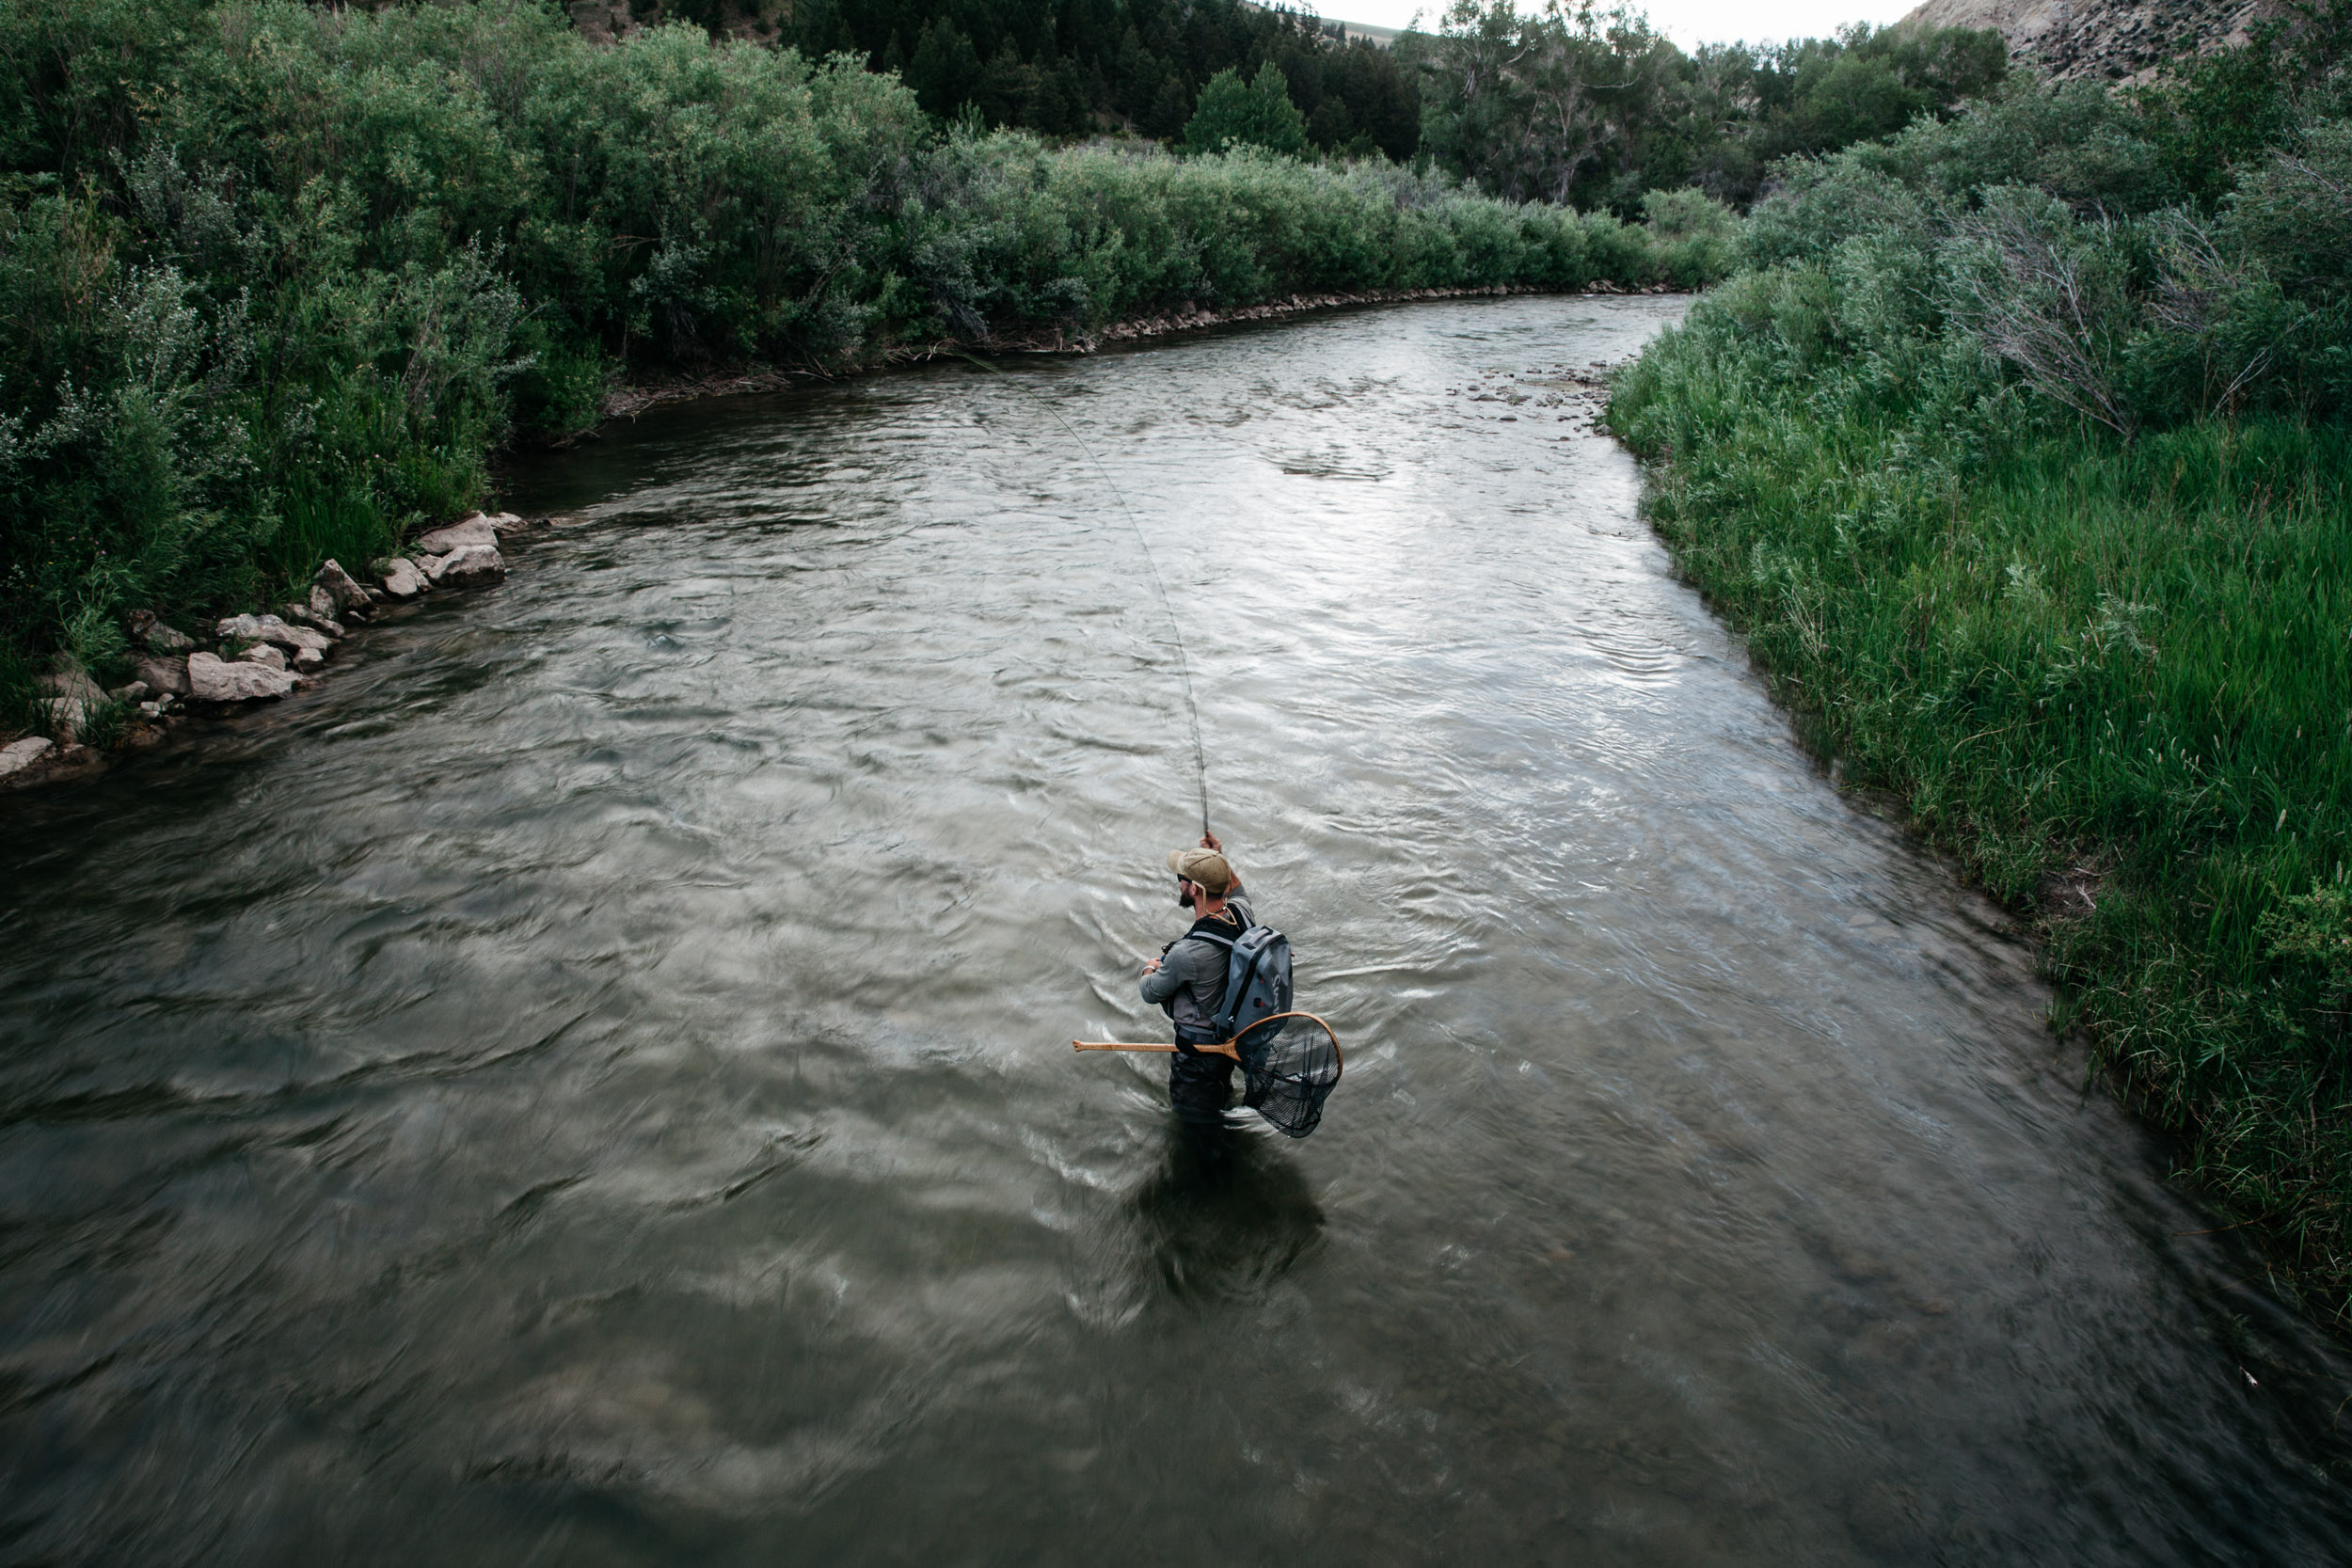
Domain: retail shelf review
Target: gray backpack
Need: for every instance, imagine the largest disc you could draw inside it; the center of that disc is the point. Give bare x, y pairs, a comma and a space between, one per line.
1257, 979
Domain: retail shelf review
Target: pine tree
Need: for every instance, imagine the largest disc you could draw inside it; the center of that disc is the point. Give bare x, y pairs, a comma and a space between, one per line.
1169, 107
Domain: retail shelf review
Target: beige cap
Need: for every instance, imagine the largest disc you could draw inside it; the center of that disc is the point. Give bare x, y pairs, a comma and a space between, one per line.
1205, 866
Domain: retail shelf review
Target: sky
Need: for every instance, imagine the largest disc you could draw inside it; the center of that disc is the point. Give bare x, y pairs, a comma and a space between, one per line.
1689, 23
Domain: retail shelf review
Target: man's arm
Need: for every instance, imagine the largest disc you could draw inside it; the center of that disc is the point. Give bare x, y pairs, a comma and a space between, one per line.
1160, 982
1173, 974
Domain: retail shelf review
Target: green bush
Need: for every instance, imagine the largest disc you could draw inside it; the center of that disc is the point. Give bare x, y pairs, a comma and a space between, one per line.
1591, 105
281, 277
2026, 471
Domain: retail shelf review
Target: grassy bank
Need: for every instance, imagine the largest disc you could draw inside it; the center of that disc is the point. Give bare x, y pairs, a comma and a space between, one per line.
2024, 469
281, 277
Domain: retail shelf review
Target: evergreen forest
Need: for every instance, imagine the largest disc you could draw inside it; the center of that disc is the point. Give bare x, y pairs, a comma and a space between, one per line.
1583, 106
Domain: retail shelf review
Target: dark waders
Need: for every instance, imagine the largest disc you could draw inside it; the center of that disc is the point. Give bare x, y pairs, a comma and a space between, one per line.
1200, 1085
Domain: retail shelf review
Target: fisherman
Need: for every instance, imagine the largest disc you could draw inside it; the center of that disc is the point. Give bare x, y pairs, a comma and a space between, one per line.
1188, 978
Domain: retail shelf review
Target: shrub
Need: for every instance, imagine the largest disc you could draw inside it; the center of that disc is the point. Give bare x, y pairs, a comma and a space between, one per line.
282, 277
2026, 470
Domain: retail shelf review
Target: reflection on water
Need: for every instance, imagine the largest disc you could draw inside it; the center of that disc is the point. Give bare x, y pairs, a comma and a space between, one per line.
590, 1085
1225, 1215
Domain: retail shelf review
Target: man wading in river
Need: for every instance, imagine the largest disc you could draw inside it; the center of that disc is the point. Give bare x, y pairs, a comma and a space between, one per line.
1188, 978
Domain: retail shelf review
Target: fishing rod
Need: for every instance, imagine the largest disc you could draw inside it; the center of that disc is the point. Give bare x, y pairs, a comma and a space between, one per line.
1290, 1061
1175, 626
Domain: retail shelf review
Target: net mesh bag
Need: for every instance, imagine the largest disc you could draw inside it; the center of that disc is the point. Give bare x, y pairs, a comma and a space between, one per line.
1288, 1063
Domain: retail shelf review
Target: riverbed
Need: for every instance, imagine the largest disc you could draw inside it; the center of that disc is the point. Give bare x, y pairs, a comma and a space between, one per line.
591, 1083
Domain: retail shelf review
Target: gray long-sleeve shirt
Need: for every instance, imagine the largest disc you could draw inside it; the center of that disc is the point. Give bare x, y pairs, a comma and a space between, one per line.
1190, 981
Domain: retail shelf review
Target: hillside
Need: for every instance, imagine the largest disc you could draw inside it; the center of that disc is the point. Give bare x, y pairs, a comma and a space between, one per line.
2101, 39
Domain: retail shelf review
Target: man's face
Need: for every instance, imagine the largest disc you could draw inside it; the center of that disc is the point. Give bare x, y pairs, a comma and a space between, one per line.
1183, 893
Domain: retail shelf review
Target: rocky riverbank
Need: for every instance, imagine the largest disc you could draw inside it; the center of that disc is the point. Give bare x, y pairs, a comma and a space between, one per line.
240, 661
260, 656
629, 401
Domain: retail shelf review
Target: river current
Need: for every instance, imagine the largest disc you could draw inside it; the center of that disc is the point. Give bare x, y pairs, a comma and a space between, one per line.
591, 1083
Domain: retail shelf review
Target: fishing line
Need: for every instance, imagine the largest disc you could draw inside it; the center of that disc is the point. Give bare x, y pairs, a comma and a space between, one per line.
1175, 626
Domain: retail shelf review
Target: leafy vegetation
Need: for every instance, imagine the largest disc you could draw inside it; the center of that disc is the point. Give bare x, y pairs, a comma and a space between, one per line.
2022, 453
279, 278
1074, 67
1593, 107
1562, 103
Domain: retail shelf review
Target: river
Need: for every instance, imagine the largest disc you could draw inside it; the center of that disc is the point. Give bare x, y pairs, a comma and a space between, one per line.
589, 1084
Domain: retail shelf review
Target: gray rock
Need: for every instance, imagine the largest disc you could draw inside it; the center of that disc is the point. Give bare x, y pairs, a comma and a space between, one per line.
312, 616
137, 691
507, 522
466, 567
345, 592
240, 680
68, 717
270, 628
475, 529
402, 580
307, 659
73, 684
72, 698
18, 755
270, 653
164, 674
156, 637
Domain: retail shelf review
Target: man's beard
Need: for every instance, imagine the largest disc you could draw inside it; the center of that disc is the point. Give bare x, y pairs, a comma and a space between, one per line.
1183, 899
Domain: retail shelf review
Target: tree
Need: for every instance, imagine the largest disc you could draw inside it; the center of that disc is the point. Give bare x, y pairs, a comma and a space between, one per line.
1259, 113
1574, 104
945, 71
1009, 92
1170, 105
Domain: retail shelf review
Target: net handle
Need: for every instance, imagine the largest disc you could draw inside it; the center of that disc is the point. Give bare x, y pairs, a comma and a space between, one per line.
1228, 1048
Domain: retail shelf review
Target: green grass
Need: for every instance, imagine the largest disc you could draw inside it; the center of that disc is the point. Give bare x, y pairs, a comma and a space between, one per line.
317, 526
2078, 664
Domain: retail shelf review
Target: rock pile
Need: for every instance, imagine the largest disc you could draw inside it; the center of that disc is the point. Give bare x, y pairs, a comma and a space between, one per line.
247, 658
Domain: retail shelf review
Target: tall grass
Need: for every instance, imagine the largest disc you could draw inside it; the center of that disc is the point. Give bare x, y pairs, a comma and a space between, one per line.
2069, 573
2114, 677
319, 526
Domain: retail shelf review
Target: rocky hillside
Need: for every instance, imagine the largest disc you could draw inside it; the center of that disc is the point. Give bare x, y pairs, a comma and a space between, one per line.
2102, 39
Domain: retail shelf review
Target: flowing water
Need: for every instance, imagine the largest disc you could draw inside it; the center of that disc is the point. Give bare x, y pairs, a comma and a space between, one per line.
591, 1083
